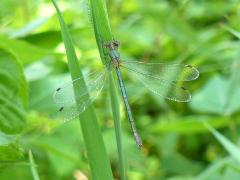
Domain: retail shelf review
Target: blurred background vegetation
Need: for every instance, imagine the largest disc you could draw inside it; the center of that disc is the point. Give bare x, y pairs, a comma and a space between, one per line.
177, 145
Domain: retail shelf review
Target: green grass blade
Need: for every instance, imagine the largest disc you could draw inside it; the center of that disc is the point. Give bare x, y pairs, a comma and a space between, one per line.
232, 149
232, 31
98, 160
33, 166
117, 124
103, 33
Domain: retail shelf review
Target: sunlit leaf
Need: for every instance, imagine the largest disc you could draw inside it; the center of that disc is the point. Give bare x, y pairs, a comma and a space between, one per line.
24, 51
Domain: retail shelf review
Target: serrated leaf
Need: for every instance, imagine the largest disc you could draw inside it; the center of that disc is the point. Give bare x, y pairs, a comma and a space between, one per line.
13, 94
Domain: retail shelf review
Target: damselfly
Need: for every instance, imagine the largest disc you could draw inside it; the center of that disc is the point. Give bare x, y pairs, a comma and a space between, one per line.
160, 78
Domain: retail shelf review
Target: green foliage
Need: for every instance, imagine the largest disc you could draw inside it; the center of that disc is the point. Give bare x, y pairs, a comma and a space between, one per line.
229, 146
198, 140
13, 96
10, 153
21, 50
222, 100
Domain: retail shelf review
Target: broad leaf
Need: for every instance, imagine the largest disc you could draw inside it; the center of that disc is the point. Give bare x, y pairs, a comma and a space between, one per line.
13, 94
215, 97
24, 51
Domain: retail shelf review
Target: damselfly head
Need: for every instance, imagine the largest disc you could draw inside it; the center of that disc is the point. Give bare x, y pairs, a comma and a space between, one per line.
113, 45
116, 44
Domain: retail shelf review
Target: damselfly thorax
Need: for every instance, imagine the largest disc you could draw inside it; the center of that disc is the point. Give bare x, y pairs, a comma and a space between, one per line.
113, 53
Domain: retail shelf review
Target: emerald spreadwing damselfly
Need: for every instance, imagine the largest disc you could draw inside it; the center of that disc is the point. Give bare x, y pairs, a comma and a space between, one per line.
159, 78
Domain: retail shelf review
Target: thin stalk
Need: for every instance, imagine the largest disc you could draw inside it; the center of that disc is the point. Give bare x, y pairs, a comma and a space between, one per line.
33, 166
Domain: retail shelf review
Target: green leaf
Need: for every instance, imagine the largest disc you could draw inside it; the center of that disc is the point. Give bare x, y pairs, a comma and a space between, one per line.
214, 97
24, 51
117, 124
212, 171
48, 39
11, 152
232, 174
188, 125
64, 148
13, 94
232, 31
28, 28
6, 139
181, 164
232, 149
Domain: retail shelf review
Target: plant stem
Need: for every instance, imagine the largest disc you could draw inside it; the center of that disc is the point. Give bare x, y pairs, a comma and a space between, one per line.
103, 34
97, 156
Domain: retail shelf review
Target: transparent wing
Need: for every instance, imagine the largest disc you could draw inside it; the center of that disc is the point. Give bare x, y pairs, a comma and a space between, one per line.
70, 106
163, 85
168, 72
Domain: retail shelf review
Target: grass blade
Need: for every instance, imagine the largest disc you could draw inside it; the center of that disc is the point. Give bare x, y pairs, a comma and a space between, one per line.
232, 149
103, 33
117, 125
98, 160
33, 166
